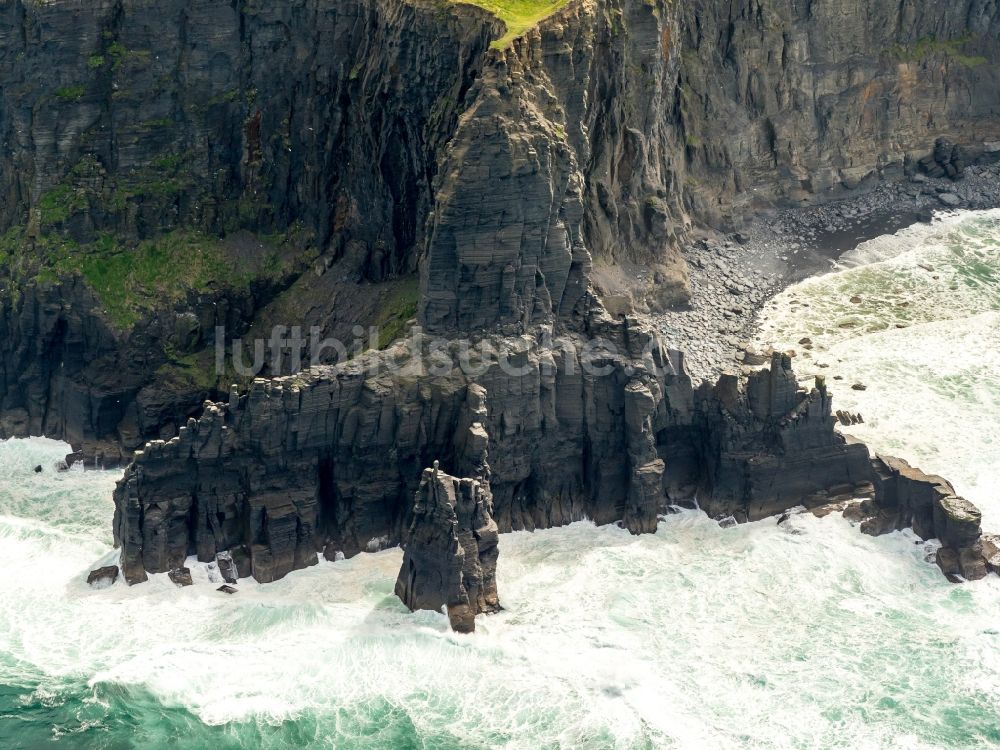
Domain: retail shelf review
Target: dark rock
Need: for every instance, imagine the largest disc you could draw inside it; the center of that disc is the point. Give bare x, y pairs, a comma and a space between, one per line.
950, 199
956, 521
855, 512
991, 551
103, 577
972, 563
859, 387
227, 567
181, 576
38, 469
227, 589
947, 560
822, 511
451, 550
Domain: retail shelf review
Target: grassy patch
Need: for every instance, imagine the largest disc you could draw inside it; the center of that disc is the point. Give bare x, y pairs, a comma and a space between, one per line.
518, 15
71, 93
400, 306
164, 270
930, 45
58, 204
131, 280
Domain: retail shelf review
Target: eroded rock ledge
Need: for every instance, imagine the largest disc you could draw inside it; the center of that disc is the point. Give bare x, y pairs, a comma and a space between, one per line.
328, 462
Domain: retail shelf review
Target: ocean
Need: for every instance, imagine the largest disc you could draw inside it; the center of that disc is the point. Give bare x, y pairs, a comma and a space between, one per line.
804, 635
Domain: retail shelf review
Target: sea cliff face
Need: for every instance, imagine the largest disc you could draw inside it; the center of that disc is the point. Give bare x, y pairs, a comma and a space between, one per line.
327, 461
788, 101
320, 147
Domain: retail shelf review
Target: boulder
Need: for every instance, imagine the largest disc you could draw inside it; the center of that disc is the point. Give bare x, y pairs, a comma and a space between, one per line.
181, 576
971, 562
103, 577
991, 551
947, 560
957, 522
227, 567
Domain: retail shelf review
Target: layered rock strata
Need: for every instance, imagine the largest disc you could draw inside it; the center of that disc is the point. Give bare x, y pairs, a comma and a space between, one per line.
451, 552
326, 462
908, 498
392, 137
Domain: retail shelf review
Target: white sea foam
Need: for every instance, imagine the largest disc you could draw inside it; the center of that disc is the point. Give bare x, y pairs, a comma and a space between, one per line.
693, 637
923, 337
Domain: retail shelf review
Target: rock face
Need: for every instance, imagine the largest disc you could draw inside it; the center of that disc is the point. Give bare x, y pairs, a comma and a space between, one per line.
773, 446
175, 113
507, 176
388, 136
450, 556
326, 462
103, 577
789, 100
907, 498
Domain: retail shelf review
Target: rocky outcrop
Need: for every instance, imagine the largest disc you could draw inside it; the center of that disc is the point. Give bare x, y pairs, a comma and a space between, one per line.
525, 183
564, 154
451, 550
902, 497
326, 462
772, 445
103, 577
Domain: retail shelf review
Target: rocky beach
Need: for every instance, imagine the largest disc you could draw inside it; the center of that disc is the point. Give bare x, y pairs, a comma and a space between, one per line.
733, 277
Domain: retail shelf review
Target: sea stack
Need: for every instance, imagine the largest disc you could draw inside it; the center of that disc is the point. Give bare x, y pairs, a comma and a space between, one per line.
450, 556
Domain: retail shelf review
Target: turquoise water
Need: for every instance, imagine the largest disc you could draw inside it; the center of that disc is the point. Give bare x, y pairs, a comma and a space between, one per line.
809, 635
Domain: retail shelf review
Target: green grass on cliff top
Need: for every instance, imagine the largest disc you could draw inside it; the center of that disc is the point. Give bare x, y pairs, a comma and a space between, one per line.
518, 15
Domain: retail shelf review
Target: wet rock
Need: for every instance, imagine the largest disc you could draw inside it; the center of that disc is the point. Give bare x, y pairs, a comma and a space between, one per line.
822, 511
859, 387
103, 577
38, 469
950, 199
227, 567
181, 576
947, 560
971, 562
957, 522
991, 551
227, 589
450, 552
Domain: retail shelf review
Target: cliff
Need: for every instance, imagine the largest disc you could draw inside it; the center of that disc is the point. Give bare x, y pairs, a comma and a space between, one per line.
326, 462
790, 101
173, 166
359, 141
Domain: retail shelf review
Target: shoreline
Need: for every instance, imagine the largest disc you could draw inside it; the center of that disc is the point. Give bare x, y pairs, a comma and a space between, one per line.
734, 277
